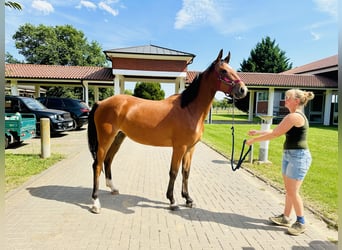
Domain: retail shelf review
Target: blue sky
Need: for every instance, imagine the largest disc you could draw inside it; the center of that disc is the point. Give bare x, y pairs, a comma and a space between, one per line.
307, 30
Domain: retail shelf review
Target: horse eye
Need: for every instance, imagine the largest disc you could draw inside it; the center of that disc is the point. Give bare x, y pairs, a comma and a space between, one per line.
224, 71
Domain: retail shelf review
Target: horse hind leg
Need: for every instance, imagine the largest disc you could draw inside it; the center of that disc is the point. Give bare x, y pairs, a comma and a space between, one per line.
114, 148
97, 166
101, 155
186, 163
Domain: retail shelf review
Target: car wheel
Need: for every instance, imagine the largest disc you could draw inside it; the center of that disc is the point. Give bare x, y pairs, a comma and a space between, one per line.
6, 142
74, 124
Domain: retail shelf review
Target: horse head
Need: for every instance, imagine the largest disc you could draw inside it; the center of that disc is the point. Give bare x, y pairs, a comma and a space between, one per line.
228, 80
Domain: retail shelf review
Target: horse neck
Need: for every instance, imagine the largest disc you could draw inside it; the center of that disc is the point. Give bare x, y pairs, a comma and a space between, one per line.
201, 105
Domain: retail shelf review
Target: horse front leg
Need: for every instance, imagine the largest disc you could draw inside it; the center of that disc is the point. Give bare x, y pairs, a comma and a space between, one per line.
177, 155
186, 164
114, 148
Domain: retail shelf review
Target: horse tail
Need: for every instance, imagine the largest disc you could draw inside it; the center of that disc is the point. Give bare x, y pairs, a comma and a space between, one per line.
92, 134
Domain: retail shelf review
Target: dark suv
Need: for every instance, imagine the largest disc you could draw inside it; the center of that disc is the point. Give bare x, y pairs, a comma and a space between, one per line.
60, 120
78, 109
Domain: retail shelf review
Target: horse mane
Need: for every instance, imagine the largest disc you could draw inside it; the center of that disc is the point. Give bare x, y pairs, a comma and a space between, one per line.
191, 92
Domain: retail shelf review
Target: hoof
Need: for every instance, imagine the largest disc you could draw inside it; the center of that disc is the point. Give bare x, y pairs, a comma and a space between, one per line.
189, 204
115, 192
95, 210
174, 207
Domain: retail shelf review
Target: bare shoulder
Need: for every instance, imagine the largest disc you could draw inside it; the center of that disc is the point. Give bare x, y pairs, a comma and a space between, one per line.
296, 119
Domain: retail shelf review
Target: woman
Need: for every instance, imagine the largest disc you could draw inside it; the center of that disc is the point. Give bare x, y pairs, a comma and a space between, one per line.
296, 156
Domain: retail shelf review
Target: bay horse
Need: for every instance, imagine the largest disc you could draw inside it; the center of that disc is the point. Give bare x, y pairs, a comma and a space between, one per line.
177, 122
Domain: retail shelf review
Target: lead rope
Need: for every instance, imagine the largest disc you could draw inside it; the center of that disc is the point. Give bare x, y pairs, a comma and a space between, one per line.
242, 156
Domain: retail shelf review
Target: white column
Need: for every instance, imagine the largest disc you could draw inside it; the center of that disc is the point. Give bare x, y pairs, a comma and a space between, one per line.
179, 85
251, 105
117, 85
85, 92
327, 107
270, 101
96, 94
14, 87
122, 85
37, 90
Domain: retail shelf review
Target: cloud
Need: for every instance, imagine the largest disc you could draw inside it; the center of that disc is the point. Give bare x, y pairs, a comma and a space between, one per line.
315, 36
105, 6
328, 6
86, 4
214, 13
43, 6
198, 12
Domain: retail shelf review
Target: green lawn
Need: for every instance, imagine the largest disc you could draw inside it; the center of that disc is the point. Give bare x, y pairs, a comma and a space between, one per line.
320, 185
20, 167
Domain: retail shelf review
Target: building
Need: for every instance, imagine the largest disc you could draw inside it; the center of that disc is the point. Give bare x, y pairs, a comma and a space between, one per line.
158, 64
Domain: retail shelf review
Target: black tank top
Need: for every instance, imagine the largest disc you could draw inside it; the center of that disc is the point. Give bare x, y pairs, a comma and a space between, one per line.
296, 136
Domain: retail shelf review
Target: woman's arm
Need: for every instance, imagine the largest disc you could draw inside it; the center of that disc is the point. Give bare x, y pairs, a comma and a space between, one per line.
259, 132
285, 125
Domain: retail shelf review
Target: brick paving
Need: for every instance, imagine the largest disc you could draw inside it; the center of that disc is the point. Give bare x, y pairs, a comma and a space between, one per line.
51, 210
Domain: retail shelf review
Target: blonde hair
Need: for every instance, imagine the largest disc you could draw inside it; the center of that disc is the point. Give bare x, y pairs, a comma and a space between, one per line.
303, 96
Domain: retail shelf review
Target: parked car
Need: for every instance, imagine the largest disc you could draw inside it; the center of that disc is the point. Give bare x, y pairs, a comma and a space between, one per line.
60, 120
78, 109
19, 127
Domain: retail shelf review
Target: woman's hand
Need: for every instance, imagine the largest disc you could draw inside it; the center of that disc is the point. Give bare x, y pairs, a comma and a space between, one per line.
250, 141
252, 132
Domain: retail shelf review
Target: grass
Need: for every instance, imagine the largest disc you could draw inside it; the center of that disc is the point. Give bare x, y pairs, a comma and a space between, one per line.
20, 167
319, 188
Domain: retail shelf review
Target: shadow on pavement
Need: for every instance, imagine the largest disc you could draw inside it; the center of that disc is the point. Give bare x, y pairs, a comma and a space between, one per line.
125, 204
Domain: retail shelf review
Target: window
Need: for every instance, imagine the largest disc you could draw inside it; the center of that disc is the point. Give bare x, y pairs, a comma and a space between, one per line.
315, 108
263, 96
55, 103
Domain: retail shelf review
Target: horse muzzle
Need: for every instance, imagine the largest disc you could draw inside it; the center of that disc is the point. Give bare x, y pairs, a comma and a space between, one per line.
241, 92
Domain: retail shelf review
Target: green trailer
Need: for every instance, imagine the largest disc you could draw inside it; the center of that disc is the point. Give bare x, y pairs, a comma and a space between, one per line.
19, 127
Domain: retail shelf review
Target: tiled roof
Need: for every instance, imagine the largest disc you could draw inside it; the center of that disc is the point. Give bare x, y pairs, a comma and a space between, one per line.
191, 75
35, 71
279, 80
150, 50
323, 64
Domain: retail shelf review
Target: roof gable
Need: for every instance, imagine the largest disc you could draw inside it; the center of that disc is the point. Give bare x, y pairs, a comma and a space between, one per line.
324, 65
149, 50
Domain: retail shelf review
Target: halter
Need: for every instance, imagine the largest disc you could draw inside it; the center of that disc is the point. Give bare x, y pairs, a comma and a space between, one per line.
242, 155
225, 80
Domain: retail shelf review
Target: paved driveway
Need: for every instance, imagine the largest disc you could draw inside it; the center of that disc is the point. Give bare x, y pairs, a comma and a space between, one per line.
51, 211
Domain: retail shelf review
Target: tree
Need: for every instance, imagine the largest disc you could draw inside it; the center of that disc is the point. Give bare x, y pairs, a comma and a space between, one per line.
266, 57
149, 90
10, 59
13, 5
59, 45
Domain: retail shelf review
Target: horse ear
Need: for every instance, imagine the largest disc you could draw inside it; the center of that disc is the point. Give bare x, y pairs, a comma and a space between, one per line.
227, 59
218, 59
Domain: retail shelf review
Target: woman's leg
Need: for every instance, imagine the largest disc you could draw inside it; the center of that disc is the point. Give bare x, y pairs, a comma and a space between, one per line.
292, 196
288, 200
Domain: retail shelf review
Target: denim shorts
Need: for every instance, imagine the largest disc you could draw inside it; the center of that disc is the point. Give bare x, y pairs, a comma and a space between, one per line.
296, 163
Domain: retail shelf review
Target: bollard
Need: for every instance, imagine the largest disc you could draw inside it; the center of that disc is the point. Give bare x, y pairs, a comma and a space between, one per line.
263, 151
250, 155
266, 121
45, 137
